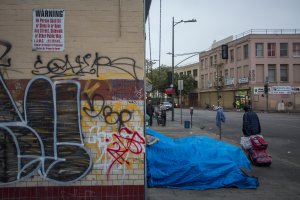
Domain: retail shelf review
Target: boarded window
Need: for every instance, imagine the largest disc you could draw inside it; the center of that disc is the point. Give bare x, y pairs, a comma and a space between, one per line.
259, 73
296, 73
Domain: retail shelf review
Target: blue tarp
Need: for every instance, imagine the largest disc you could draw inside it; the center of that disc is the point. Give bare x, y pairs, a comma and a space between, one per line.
196, 162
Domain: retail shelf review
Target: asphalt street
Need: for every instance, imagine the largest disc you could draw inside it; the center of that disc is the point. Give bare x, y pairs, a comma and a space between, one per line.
282, 132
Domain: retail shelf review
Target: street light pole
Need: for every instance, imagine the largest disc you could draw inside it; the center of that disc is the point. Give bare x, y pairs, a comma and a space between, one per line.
172, 85
173, 69
218, 92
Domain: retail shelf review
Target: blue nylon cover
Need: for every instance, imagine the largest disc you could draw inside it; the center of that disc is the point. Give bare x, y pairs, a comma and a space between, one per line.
196, 162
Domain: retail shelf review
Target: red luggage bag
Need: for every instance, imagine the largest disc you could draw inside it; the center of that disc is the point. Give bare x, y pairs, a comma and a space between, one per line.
260, 157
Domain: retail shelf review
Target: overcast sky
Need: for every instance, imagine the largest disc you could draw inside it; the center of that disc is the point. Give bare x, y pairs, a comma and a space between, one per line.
216, 20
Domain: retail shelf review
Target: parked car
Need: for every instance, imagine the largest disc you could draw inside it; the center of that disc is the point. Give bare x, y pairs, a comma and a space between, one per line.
166, 105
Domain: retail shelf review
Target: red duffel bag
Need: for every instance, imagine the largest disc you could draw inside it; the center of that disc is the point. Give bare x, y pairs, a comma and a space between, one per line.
258, 142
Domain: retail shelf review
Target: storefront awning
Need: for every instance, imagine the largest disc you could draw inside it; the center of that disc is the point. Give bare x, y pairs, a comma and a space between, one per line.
169, 91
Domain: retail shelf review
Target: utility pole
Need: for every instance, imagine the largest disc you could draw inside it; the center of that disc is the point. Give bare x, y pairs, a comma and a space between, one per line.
266, 90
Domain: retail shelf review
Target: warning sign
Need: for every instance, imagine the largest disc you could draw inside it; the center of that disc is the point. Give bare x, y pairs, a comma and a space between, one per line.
48, 30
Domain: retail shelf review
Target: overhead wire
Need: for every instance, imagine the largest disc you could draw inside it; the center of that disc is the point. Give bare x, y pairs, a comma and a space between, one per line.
150, 53
159, 56
149, 36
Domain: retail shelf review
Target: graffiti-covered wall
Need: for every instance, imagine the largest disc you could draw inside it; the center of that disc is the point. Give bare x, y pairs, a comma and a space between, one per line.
72, 99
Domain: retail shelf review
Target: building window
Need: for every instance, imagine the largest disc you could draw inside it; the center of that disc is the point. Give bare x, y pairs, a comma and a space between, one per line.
214, 80
240, 73
195, 84
231, 72
238, 53
259, 49
260, 75
226, 73
296, 73
189, 73
246, 51
202, 81
215, 59
272, 73
231, 55
271, 49
283, 49
246, 71
206, 62
296, 49
211, 61
284, 73
202, 63
195, 72
181, 74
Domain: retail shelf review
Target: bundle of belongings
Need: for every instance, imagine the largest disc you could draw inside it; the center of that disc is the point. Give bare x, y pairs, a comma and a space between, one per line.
196, 162
255, 147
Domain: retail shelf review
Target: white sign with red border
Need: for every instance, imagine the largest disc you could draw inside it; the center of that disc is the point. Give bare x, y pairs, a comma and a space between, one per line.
48, 30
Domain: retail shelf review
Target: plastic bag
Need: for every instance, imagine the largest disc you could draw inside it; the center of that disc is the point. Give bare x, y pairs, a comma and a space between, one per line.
246, 143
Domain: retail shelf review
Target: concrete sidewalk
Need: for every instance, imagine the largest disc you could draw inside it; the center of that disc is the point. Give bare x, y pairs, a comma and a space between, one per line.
272, 184
176, 129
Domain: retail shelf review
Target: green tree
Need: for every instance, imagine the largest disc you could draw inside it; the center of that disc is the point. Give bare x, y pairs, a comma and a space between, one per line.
159, 79
188, 84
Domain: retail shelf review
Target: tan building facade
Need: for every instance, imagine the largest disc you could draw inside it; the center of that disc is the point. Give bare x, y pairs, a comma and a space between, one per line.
72, 99
255, 58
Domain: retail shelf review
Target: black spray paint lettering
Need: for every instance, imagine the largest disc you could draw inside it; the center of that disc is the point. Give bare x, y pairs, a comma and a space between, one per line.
91, 103
48, 139
111, 117
84, 65
7, 47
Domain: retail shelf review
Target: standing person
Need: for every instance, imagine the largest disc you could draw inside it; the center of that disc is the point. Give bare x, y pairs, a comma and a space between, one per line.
150, 111
163, 113
220, 117
251, 124
238, 105
234, 105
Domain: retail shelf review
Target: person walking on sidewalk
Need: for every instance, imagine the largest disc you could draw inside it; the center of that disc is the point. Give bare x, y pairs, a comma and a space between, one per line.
251, 124
150, 111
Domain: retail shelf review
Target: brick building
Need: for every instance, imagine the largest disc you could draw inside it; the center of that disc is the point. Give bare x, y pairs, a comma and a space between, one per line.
72, 99
255, 58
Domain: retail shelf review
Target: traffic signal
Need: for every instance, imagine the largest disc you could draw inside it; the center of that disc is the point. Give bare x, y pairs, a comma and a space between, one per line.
169, 78
266, 88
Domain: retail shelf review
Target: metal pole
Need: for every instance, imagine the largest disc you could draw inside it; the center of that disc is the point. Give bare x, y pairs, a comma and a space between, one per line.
180, 108
267, 93
218, 103
268, 99
220, 132
173, 69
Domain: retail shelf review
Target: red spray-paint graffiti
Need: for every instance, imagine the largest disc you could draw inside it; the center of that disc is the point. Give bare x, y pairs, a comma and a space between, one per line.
125, 142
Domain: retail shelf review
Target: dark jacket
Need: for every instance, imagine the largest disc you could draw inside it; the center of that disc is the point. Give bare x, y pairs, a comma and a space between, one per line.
251, 124
149, 109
